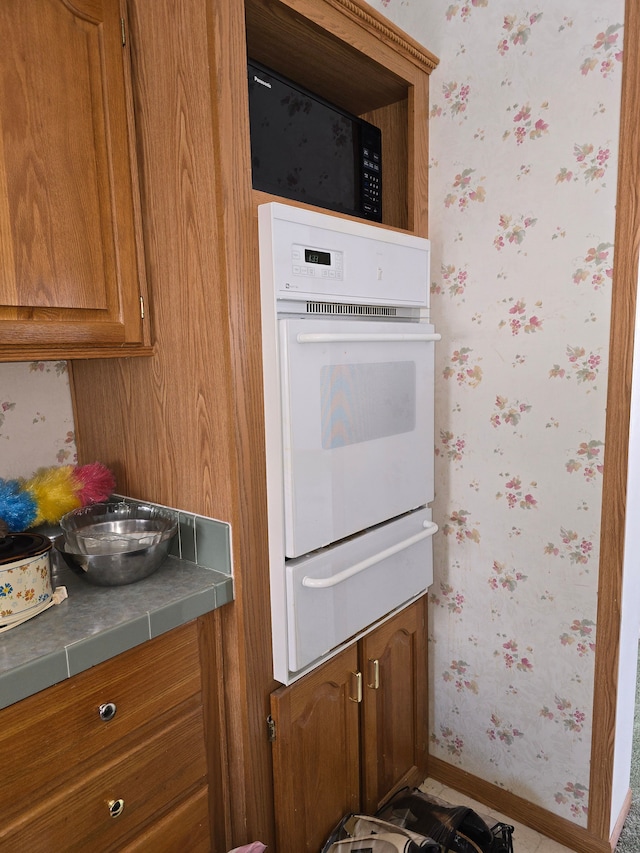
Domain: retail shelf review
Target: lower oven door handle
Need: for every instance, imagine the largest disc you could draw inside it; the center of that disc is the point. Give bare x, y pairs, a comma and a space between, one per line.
324, 583
329, 338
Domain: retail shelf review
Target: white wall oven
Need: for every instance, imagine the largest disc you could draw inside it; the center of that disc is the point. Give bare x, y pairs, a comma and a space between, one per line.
348, 362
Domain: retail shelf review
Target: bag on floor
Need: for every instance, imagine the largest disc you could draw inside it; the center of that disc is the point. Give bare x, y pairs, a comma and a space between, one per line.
366, 834
458, 829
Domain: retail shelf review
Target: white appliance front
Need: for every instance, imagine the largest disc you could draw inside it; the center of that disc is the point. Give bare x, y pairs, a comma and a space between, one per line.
335, 593
348, 356
357, 420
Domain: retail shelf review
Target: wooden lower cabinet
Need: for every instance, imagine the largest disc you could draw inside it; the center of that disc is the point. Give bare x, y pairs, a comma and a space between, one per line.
351, 732
394, 728
113, 759
316, 753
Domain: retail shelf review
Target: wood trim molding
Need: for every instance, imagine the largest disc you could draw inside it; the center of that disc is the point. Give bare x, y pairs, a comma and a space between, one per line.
617, 829
53, 352
210, 642
384, 29
614, 490
498, 799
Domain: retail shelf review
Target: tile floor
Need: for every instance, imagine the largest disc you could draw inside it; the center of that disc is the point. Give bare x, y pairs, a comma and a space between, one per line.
525, 840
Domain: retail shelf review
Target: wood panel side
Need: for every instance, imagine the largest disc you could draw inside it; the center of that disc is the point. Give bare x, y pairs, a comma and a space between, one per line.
247, 648
394, 123
418, 157
614, 487
211, 642
164, 423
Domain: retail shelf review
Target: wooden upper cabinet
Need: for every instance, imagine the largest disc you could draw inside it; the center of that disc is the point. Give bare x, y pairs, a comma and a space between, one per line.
71, 268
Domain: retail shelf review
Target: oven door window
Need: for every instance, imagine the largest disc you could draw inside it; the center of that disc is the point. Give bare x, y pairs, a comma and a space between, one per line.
357, 402
364, 402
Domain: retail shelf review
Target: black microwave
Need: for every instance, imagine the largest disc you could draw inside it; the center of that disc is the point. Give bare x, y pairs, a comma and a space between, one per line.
306, 149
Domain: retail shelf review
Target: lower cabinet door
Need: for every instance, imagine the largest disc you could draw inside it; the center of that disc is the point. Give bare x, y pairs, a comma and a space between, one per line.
316, 762
393, 660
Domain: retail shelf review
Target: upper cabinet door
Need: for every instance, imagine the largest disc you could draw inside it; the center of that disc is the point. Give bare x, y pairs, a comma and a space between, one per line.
71, 276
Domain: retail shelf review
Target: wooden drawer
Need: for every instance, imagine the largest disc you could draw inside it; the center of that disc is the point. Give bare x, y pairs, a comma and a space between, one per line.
50, 738
149, 779
185, 828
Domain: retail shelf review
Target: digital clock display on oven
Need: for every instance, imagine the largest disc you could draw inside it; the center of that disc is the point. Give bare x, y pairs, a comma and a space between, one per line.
313, 256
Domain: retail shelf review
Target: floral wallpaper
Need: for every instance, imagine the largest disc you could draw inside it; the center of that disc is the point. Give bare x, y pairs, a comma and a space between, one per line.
36, 419
523, 144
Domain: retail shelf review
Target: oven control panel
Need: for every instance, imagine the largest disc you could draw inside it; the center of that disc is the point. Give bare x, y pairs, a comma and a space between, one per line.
317, 263
306, 255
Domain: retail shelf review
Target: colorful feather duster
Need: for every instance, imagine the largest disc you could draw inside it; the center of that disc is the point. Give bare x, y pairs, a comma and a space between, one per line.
52, 492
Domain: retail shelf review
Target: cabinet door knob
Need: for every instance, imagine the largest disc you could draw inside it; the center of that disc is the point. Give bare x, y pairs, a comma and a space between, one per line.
116, 807
107, 711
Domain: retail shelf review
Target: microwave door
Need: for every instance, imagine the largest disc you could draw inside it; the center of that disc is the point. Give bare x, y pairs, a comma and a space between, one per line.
357, 410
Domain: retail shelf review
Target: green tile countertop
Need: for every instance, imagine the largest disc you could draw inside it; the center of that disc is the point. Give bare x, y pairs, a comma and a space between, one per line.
97, 623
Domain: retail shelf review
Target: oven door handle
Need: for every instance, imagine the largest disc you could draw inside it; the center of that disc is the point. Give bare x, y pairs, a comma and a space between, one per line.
324, 583
330, 338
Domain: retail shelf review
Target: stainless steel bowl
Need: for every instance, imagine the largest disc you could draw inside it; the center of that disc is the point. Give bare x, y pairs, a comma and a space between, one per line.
116, 526
115, 569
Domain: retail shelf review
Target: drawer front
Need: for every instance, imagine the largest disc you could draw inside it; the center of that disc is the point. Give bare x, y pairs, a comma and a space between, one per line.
38, 735
140, 788
186, 827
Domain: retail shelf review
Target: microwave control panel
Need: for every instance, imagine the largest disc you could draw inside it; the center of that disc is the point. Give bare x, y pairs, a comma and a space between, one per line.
371, 190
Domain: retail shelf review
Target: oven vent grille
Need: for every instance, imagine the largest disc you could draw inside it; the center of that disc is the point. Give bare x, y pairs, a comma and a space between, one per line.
353, 310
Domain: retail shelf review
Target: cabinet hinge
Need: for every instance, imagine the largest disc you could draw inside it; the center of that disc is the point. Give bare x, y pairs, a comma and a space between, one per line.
271, 729
142, 307
123, 34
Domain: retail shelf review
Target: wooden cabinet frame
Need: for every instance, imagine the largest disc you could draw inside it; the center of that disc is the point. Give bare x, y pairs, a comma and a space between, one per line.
185, 427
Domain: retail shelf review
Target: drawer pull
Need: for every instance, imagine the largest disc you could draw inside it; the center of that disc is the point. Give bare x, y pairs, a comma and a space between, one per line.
107, 711
356, 687
116, 807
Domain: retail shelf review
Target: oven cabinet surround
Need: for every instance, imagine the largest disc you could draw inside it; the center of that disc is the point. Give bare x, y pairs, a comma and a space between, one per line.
185, 427
346, 53
71, 265
76, 777
351, 732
